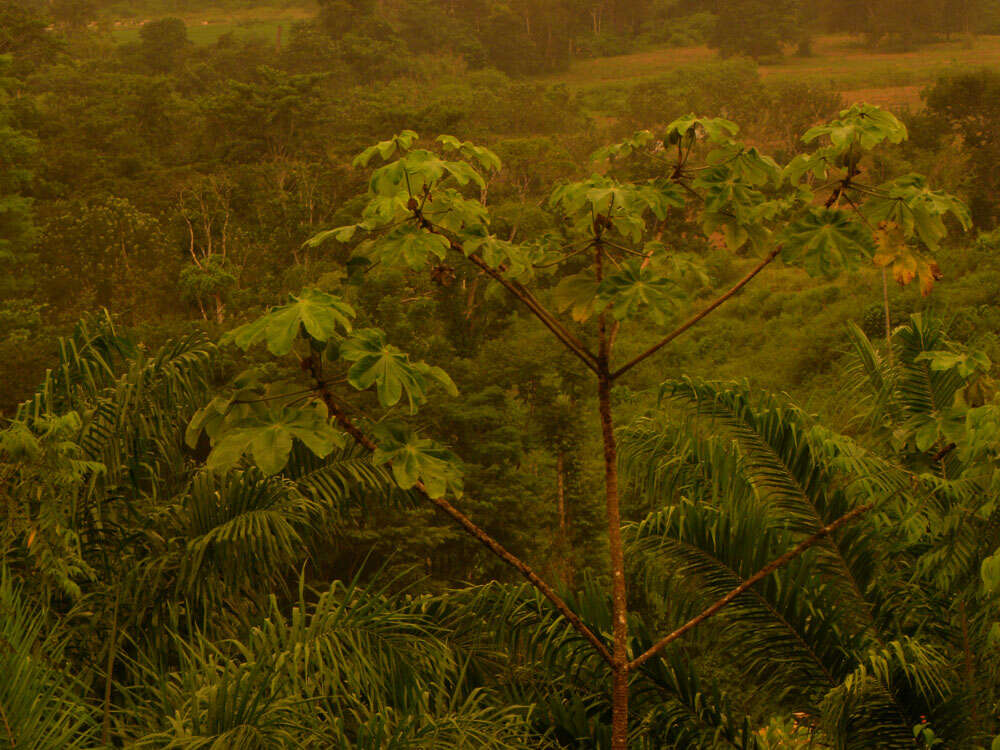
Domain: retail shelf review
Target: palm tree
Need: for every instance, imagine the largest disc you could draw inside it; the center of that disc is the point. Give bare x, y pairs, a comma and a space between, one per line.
879, 635
173, 596
42, 707
182, 616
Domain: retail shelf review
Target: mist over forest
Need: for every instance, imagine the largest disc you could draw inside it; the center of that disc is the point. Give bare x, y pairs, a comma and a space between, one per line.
431, 374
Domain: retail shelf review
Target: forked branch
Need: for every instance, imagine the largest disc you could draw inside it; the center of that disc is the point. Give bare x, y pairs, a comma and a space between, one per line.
529, 300
466, 523
538, 310
758, 576
695, 319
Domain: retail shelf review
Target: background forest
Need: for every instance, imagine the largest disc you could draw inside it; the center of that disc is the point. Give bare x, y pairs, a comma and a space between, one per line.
172, 576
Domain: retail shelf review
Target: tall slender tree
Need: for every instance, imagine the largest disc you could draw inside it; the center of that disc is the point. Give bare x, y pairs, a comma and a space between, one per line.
606, 266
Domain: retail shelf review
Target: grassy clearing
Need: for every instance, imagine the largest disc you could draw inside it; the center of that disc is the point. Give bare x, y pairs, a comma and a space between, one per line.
207, 25
889, 79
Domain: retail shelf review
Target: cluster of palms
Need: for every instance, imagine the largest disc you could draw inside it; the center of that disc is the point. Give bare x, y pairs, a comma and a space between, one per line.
147, 602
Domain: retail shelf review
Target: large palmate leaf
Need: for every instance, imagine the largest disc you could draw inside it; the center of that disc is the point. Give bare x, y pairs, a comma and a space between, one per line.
386, 149
389, 369
715, 129
599, 202
636, 288
448, 208
411, 246
746, 164
414, 459
637, 142
486, 158
659, 196
578, 294
267, 435
817, 164
917, 210
734, 207
340, 234
967, 363
907, 263
419, 170
517, 259
825, 240
862, 124
317, 313
990, 572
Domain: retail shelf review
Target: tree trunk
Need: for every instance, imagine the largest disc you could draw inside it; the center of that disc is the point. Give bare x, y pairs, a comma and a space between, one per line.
888, 321
619, 604
561, 494
619, 601
220, 309
565, 561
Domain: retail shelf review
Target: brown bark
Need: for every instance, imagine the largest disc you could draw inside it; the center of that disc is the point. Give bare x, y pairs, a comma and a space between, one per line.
619, 595
561, 495
565, 563
970, 668
888, 321
619, 601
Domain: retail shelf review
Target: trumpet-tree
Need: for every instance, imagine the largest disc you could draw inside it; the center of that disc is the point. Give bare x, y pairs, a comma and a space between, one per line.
609, 264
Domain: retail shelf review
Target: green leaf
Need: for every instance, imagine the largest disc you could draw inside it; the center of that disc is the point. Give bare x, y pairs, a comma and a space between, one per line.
380, 364
317, 313
965, 362
577, 294
436, 373
245, 391
825, 241
486, 158
747, 165
624, 205
862, 124
385, 149
340, 234
516, 258
419, 170
910, 204
734, 207
639, 140
448, 208
635, 288
659, 196
414, 459
268, 433
927, 434
818, 164
604, 197
715, 129
411, 246
990, 571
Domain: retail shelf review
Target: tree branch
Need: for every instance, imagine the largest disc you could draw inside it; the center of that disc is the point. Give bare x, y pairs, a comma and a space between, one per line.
529, 300
466, 523
759, 575
692, 321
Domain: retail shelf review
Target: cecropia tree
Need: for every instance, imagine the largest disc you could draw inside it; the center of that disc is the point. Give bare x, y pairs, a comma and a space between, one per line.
605, 266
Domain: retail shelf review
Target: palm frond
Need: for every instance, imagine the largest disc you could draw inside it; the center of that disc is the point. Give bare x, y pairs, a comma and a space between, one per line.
892, 688
793, 631
41, 706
